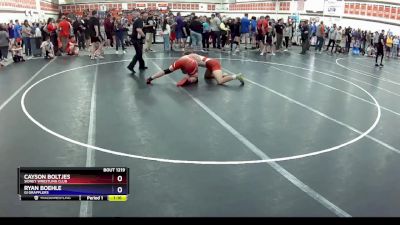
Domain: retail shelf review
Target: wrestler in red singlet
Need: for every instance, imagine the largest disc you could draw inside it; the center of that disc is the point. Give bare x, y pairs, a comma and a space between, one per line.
188, 66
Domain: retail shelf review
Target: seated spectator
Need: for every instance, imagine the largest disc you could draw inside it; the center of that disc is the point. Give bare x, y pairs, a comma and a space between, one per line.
370, 51
16, 51
47, 48
72, 46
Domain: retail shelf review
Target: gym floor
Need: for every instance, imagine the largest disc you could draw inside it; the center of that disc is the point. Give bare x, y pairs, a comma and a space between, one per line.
313, 135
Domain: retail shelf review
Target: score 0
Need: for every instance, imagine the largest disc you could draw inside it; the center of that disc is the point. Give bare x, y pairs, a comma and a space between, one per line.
119, 179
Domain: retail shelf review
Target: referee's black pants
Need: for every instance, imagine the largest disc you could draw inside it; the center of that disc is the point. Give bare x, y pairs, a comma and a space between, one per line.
138, 56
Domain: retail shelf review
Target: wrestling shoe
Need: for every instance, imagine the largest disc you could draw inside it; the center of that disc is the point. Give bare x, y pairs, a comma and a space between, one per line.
240, 78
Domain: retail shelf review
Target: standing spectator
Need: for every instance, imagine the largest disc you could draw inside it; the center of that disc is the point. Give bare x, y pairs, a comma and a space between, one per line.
79, 32
395, 47
179, 29
186, 31
166, 30
17, 30
380, 45
148, 29
313, 29
85, 23
348, 39
4, 43
119, 36
65, 32
368, 39
363, 40
95, 36
376, 39
279, 27
339, 35
172, 36
11, 32
156, 23
304, 37
287, 33
262, 29
389, 44
253, 32
245, 29
320, 33
215, 23
38, 32
206, 33
332, 37
269, 39
109, 30
137, 38
51, 31
196, 30
224, 30
235, 35
26, 37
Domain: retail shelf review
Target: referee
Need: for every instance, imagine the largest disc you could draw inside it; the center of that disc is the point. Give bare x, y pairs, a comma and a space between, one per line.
137, 39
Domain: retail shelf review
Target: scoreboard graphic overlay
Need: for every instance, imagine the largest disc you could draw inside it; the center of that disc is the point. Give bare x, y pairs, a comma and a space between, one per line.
76, 183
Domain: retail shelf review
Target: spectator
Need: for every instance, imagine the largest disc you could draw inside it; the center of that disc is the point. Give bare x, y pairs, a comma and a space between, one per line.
245, 29
17, 30
148, 29
215, 23
11, 32
47, 48
206, 33
389, 44
179, 29
287, 33
65, 32
26, 37
196, 30
380, 45
166, 31
95, 36
109, 30
224, 30
253, 32
304, 37
235, 35
72, 47
119, 36
320, 33
395, 47
332, 37
4, 43
279, 27
16, 52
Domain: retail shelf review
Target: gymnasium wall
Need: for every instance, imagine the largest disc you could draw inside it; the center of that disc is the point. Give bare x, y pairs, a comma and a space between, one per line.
33, 10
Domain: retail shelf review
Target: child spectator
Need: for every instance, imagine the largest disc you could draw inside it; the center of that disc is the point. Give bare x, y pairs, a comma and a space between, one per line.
47, 48
16, 51
72, 46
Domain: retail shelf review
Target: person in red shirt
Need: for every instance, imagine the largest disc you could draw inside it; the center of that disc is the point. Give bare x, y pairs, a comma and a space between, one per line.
72, 47
187, 65
214, 69
65, 31
262, 28
109, 29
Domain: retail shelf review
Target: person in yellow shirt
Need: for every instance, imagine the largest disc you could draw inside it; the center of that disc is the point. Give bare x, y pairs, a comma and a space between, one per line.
389, 44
